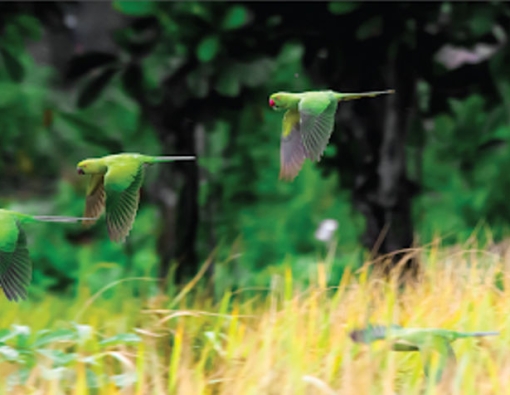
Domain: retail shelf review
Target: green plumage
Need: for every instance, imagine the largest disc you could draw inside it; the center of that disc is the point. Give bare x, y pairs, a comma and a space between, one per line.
307, 125
430, 342
15, 265
114, 187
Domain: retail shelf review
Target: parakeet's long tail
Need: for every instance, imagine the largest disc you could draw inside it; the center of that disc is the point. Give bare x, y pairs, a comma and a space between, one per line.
478, 334
56, 218
352, 96
158, 159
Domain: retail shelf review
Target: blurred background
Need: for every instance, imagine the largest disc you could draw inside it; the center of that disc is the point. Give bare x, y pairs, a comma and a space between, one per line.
85, 79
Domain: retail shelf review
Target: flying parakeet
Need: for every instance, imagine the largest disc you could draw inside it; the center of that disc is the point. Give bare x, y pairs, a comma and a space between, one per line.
15, 265
307, 125
114, 187
430, 342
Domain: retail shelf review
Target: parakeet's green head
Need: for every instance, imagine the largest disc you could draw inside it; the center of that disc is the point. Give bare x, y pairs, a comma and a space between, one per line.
281, 100
91, 166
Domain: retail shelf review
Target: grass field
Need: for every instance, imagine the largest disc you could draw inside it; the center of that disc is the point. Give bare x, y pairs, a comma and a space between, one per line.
286, 339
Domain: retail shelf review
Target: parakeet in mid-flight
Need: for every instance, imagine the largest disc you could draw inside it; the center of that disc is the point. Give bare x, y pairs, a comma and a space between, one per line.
307, 125
15, 265
428, 341
114, 187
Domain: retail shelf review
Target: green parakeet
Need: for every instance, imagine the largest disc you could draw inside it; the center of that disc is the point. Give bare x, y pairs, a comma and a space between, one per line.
114, 187
307, 125
428, 341
15, 265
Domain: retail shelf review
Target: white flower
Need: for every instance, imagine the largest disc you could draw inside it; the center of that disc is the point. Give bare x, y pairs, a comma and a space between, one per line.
326, 230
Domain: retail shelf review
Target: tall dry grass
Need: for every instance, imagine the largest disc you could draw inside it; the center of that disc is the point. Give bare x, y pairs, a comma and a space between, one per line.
287, 339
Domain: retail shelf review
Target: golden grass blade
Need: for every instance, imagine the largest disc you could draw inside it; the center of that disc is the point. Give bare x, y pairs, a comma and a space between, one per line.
105, 288
195, 279
173, 371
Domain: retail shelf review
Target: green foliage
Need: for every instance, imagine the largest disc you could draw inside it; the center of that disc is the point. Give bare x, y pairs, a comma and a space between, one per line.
342, 7
135, 8
94, 87
467, 164
237, 16
12, 44
57, 352
201, 54
12, 65
369, 28
208, 48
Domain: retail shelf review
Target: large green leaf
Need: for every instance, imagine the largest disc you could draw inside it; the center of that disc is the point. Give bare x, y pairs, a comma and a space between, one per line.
135, 8
29, 26
342, 7
121, 338
236, 17
7, 334
46, 337
9, 354
58, 357
369, 28
208, 48
12, 64
483, 20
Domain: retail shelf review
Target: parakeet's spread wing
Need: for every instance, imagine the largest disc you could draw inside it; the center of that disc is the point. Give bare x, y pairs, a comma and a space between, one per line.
317, 122
15, 265
436, 351
373, 332
95, 201
122, 185
292, 151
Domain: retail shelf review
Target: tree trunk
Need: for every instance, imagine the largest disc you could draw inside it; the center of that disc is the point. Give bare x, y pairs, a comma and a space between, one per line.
387, 203
176, 243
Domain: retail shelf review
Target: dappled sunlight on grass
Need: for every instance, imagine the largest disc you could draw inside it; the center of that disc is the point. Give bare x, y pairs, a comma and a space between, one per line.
288, 339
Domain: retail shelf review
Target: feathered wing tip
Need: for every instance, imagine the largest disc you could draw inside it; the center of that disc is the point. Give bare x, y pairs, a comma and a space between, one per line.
120, 223
56, 218
95, 200
292, 155
16, 270
121, 209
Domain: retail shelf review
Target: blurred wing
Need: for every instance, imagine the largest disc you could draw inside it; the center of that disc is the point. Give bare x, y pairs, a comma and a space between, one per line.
317, 122
15, 265
122, 185
403, 346
95, 201
292, 151
368, 334
373, 332
436, 352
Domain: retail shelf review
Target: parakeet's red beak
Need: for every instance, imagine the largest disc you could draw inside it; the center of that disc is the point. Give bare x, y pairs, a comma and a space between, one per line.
271, 103
80, 171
